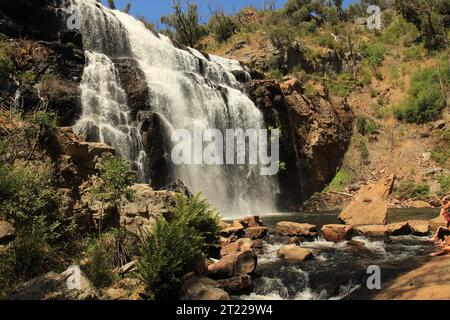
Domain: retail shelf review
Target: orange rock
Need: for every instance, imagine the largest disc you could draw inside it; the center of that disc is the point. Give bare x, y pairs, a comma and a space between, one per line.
253, 221
256, 232
294, 253
293, 229
370, 205
337, 232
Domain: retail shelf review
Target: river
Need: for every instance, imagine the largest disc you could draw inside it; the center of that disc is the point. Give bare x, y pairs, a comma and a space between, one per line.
338, 271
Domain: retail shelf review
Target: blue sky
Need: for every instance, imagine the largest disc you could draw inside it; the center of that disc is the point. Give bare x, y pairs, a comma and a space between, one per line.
154, 9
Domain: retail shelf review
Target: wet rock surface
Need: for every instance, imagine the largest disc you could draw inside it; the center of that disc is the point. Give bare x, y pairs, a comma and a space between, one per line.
315, 134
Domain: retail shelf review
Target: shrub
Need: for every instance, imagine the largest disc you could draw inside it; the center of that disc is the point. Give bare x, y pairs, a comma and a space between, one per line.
375, 54
363, 150
200, 216
412, 190
6, 63
401, 30
26, 192
425, 100
412, 53
114, 179
29, 256
170, 250
366, 126
168, 253
342, 85
340, 181
99, 268
27, 77
309, 90
440, 154
43, 128
444, 181
222, 26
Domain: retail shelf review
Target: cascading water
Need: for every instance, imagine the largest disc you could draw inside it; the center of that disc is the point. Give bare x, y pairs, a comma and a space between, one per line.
187, 89
106, 117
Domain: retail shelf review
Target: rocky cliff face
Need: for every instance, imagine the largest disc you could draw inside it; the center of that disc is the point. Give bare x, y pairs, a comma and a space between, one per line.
315, 132
48, 60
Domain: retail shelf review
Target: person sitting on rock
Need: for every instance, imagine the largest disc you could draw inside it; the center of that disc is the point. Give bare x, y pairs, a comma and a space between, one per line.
445, 212
442, 234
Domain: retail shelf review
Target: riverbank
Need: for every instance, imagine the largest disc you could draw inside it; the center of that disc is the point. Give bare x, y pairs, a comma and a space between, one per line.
430, 281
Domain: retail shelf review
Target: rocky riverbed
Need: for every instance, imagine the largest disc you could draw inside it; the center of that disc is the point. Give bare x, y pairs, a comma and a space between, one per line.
306, 266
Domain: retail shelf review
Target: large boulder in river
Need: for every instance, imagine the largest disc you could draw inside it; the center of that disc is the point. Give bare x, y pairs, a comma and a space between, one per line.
293, 229
370, 205
202, 288
72, 284
419, 227
372, 231
337, 232
244, 244
251, 222
234, 264
256, 232
294, 253
399, 229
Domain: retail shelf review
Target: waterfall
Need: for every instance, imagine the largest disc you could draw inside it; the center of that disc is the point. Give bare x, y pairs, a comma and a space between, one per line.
187, 89
106, 117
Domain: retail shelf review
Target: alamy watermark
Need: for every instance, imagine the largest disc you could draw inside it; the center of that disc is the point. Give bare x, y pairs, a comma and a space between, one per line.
73, 22
374, 21
374, 280
232, 147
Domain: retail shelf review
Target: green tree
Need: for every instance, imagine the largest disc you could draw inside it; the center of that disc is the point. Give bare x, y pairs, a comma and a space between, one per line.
431, 17
183, 24
222, 26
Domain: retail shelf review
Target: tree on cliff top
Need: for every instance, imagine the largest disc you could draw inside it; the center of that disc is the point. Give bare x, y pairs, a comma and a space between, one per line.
183, 24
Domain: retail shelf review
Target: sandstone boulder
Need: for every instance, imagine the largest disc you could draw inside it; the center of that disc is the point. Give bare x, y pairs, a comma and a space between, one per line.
234, 264
399, 229
232, 231
72, 284
244, 244
256, 232
7, 233
294, 253
202, 288
337, 232
372, 231
293, 229
370, 205
419, 204
253, 221
419, 227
